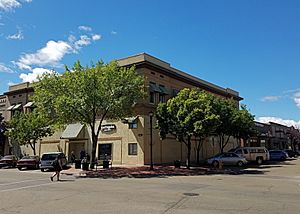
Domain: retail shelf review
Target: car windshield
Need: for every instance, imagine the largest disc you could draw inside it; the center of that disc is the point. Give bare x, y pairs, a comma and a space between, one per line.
7, 158
49, 156
28, 157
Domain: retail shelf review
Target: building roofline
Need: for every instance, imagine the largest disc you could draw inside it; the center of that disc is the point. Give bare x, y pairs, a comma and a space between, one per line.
144, 58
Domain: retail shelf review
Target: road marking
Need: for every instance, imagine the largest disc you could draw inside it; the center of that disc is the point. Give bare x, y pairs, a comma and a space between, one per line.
18, 182
14, 189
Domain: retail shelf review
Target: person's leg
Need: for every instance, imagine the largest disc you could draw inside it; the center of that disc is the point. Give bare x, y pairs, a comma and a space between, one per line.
53, 175
58, 174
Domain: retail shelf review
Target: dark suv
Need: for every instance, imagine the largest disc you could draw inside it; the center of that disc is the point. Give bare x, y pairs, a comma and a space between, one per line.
291, 153
49, 157
278, 155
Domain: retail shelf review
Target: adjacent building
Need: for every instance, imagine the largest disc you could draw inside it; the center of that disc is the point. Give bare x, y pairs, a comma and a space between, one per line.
275, 136
128, 141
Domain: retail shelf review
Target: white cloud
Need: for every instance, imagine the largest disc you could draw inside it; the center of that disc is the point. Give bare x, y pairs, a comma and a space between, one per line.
113, 32
51, 54
279, 120
11, 83
5, 69
8, 5
296, 99
36, 72
83, 41
270, 98
17, 36
96, 37
71, 38
85, 28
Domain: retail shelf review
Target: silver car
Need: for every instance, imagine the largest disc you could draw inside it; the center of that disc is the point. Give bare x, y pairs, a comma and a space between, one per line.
228, 158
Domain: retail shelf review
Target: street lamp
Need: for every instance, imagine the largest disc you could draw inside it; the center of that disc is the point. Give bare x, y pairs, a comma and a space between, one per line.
151, 143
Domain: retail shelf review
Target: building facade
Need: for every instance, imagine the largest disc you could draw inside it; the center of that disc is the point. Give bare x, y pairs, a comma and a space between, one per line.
128, 141
275, 136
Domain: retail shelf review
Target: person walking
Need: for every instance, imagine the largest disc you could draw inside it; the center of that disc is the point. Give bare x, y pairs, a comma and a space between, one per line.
57, 166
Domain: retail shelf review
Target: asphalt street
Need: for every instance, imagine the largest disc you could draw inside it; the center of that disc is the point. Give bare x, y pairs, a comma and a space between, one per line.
266, 189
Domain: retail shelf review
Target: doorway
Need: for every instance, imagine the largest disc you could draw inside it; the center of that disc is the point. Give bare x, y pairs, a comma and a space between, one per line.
105, 151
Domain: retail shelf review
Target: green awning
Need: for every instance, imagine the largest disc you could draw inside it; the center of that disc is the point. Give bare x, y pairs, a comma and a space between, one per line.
163, 90
153, 88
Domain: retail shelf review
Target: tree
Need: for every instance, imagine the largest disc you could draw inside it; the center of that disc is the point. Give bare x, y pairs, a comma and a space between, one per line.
89, 95
186, 115
243, 124
234, 122
226, 109
26, 129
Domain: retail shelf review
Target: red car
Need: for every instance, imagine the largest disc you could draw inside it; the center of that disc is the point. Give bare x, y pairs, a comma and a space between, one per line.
8, 160
29, 162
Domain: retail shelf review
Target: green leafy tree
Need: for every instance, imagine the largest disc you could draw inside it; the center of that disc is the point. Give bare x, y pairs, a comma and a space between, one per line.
186, 115
89, 95
26, 129
207, 122
243, 124
226, 109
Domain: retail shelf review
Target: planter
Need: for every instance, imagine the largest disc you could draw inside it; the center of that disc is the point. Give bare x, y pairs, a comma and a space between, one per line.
177, 163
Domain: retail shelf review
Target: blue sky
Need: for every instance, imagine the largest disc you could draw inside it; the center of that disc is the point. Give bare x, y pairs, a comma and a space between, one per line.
250, 46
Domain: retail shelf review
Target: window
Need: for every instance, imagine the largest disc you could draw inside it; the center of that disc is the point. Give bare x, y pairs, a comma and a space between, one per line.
132, 148
152, 97
162, 98
132, 125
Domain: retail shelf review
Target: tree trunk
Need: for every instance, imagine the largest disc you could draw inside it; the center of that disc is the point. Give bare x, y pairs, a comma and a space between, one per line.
94, 146
32, 145
199, 146
188, 162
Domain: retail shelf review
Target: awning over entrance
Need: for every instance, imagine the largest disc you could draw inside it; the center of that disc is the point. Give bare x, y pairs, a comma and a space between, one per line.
18, 106
130, 119
72, 131
10, 108
28, 105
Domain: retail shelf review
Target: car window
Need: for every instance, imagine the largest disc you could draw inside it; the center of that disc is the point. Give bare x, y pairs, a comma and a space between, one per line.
239, 151
245, 151
234, 155
49, 156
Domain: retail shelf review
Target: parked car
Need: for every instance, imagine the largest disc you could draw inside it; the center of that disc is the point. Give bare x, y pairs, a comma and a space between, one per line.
228, 158
29, 162
291, 153
8, 161
278, 155
49, 157
257, 154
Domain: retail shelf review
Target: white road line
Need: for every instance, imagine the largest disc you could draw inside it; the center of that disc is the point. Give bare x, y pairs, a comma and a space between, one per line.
18, 182
14, 189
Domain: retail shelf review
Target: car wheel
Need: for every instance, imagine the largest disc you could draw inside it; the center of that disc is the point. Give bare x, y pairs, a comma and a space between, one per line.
20, 168
259, 161
43, 170
240, 163
215, 163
